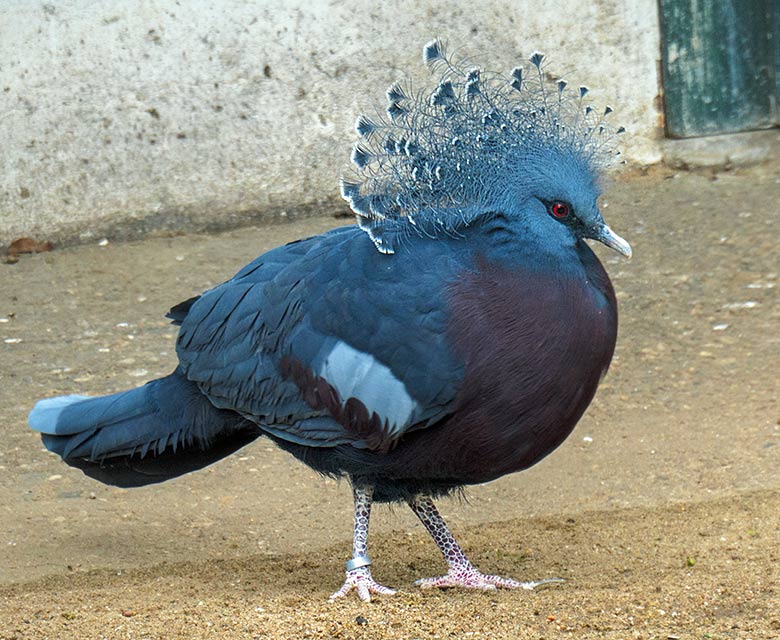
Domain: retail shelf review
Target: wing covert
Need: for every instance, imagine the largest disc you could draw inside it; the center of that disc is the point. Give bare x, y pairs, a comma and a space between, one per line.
326, 341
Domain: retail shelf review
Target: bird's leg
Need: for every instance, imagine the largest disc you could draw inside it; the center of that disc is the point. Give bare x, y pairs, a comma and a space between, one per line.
359, 566
461, 572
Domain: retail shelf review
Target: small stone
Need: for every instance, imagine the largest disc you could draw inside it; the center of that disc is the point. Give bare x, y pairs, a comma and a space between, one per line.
749, 304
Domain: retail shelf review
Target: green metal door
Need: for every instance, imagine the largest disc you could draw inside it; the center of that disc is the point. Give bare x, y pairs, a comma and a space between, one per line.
720, 65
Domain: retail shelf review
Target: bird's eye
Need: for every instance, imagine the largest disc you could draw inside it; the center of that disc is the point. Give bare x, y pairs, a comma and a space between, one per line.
559, 210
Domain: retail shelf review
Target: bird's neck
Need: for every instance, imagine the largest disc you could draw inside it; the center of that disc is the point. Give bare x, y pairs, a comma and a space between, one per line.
525, 256
563, 263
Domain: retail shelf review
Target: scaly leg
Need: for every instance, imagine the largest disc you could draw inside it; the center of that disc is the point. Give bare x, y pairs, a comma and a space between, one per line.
359, 566
461, 572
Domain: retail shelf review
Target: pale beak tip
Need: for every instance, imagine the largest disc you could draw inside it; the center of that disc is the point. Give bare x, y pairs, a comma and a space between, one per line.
614, 241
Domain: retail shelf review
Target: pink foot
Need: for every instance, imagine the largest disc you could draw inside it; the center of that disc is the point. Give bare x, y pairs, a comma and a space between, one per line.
471, 578
360, 579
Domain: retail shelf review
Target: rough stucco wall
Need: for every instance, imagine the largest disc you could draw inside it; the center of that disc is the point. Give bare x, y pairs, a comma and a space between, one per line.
132, 115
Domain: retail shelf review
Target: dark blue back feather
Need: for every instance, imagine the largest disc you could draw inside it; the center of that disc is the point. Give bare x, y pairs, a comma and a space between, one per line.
327, 296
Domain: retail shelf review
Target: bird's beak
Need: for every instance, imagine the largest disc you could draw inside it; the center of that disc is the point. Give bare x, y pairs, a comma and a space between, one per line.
608, 237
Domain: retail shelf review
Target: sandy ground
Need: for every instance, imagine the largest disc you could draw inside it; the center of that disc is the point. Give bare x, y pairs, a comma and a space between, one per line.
662, 511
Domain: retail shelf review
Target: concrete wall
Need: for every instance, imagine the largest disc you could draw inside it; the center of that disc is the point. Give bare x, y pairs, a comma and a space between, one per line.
119, 116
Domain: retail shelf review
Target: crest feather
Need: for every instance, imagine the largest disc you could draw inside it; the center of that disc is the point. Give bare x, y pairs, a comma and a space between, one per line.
442, 156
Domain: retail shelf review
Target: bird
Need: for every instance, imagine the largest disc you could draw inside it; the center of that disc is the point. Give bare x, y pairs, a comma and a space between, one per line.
455, 334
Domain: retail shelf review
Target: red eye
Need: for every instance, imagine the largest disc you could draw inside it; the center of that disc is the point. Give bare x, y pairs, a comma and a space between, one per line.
559, 209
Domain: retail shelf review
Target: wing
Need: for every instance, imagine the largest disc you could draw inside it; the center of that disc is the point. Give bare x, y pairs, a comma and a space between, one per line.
326, 341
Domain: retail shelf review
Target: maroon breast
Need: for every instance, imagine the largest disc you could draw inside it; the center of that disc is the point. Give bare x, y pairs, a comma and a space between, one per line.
535, 347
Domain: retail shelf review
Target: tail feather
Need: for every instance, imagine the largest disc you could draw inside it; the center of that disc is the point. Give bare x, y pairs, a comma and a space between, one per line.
46, 411
153, 433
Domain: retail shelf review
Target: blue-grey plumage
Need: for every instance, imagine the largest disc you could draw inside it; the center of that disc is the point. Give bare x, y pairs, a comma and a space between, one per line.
455, 334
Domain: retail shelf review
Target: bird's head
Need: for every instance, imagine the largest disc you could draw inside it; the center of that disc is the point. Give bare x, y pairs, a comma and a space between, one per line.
478, 144
555, 194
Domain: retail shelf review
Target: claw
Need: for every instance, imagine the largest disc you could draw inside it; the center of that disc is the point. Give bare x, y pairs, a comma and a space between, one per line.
360, 580
545, 582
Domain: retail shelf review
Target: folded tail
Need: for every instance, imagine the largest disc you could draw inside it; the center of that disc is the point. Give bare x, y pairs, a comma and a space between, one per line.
156, 432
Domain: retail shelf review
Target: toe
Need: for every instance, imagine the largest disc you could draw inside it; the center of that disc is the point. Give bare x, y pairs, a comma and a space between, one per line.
361, 581
441, 582
502, 583
382, 590
473, 579
363, 592
345, 589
